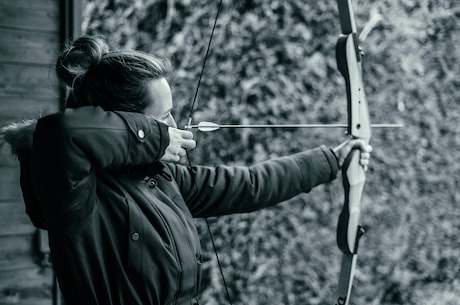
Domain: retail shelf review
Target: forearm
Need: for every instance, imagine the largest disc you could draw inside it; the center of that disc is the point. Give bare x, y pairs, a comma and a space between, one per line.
69, 147
226, 190
89, 134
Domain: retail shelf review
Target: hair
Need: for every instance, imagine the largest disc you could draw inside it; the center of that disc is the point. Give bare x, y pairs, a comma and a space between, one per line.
113, 80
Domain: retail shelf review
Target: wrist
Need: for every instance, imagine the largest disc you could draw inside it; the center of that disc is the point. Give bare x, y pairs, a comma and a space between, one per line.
337, 158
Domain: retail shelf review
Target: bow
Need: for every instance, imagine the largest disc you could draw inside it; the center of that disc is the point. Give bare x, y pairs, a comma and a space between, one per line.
349, 230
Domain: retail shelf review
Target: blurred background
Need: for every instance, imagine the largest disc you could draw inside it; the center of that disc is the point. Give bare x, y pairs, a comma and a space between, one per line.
273, 62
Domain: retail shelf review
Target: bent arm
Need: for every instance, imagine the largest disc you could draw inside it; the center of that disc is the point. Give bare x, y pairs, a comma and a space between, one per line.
90, 134
69, 147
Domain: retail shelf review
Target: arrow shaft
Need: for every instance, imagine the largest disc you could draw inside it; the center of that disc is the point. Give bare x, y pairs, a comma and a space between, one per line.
217, 126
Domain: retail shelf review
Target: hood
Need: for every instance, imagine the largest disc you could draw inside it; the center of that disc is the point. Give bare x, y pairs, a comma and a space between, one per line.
18, 136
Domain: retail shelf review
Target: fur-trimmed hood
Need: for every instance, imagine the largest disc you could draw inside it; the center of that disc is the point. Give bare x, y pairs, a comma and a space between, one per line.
18, 136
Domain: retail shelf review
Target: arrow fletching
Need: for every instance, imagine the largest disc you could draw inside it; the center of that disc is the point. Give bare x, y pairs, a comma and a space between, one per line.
208, 126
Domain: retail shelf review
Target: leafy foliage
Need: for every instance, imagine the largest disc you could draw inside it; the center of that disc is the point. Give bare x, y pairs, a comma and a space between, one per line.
273, 61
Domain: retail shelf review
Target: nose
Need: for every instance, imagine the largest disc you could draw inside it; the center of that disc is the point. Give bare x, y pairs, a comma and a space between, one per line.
170, 121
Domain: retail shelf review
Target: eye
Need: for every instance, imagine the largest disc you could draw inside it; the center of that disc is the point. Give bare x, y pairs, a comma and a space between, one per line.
167, 115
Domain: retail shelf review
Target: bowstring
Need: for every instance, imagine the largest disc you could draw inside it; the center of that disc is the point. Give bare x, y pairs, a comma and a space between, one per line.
204, 61
200, 200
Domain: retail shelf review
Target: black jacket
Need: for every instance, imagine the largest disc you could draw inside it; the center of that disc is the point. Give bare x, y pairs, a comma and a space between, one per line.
120, 222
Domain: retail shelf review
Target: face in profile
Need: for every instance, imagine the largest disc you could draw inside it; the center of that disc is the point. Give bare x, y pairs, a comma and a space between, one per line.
160, 107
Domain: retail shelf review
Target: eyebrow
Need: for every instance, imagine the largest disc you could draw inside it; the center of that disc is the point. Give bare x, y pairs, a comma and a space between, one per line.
168, 111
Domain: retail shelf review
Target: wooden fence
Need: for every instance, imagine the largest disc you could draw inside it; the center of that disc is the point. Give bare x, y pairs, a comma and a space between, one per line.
32, 32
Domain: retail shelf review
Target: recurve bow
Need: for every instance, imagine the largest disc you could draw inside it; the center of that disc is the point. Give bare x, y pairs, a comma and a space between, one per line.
349, 230
349, 63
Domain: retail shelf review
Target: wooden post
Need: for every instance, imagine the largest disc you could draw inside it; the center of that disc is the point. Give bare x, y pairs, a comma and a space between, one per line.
72, 18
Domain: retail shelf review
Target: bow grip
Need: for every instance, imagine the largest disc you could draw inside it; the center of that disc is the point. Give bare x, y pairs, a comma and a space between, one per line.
348, 228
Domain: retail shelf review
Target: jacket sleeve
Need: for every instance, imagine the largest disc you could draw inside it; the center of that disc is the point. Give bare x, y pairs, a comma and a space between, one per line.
235, 189
30, 201
68, 149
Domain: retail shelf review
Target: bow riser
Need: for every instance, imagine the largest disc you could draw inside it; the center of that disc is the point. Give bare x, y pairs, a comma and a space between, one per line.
349, 230
358, 127
349, 64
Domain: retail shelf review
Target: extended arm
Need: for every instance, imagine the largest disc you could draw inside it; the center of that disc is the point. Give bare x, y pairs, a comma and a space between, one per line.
234, 189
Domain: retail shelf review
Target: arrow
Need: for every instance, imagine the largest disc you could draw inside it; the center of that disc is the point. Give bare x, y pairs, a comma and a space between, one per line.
211, 126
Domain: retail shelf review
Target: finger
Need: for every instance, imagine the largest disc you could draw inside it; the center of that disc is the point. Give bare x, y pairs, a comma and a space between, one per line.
365, 156
361, 145
169, 157
176, 158
364, 162
181, 153
188, 144
185, 134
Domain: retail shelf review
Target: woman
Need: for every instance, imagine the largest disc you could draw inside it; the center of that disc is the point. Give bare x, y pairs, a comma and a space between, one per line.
102, 178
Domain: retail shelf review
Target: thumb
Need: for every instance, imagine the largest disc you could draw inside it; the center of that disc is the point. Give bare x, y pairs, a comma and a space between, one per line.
359, 144
343, 150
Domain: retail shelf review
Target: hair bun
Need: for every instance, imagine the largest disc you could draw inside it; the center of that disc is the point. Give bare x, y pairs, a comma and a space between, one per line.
78, 57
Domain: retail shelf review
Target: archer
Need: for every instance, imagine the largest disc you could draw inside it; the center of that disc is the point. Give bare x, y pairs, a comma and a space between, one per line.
103, 178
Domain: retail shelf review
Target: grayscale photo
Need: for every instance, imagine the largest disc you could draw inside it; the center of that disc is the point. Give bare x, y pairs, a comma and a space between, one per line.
219, 152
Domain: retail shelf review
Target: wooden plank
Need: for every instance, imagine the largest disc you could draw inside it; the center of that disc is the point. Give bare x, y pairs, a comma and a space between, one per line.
20, 46
13, 110
16, 252
31, 33
19, 80
6, 158
13, 219
27, 286
28, 298
9, 183
42, 15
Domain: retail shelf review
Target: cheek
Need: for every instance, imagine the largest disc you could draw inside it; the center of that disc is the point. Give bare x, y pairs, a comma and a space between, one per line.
149, 110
